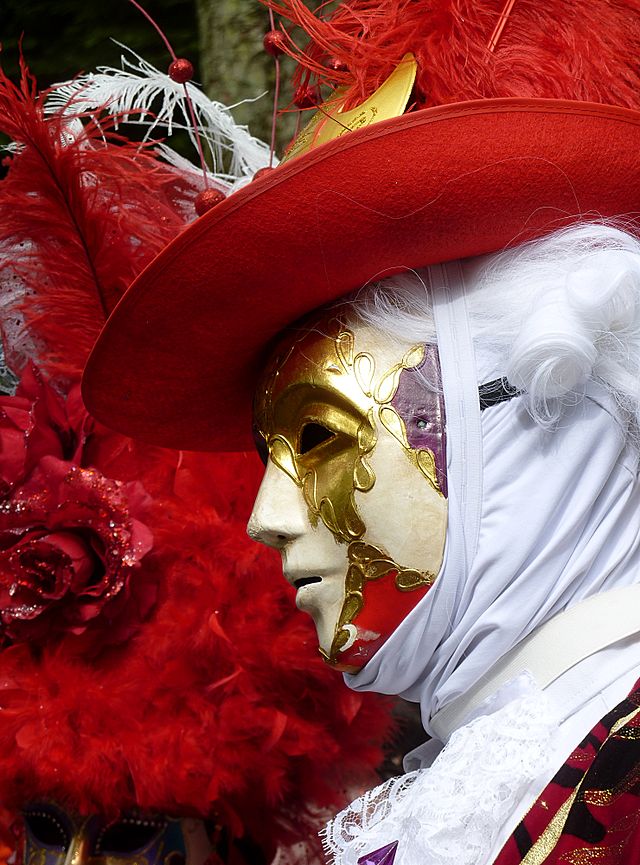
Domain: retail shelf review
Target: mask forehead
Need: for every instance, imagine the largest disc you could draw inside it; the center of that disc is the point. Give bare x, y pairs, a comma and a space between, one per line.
312, 389
320, 356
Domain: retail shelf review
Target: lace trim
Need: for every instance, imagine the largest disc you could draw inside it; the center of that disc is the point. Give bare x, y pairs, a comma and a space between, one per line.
451, 813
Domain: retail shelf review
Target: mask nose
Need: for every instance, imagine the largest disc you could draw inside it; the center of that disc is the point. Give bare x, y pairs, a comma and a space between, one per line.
78, 852
279, 513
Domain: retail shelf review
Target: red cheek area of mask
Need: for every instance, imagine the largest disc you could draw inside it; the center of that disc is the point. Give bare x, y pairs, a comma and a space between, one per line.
385, 606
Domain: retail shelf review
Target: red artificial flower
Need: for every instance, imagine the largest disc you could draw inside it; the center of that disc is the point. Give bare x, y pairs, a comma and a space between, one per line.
36, 423
70, 538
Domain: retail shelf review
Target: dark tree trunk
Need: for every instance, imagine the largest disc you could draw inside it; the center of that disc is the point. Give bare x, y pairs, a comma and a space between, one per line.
234, 65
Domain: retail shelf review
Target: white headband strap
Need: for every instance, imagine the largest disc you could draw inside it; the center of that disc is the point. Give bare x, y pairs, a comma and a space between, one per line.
460, 384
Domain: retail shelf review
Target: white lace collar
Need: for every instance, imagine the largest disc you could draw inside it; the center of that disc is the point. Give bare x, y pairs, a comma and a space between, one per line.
451, 813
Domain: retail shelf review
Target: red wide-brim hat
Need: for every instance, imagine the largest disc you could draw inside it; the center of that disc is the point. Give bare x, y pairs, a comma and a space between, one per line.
177, 362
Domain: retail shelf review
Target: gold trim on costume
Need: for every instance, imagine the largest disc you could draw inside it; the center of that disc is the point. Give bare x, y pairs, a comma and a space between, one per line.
546, 843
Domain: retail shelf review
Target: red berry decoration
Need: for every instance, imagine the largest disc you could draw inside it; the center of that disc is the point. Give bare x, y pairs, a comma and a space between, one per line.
337, 65
181, 70
274, 43
261, 172
207, 199
305, 97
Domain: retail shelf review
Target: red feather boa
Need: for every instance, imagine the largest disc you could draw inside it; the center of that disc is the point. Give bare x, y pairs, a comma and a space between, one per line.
219, 705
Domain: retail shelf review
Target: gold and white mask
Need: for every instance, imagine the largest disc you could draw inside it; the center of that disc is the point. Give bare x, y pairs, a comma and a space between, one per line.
352, 429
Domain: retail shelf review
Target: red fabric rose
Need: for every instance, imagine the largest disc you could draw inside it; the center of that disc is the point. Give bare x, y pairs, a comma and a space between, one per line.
36, 422
71, 540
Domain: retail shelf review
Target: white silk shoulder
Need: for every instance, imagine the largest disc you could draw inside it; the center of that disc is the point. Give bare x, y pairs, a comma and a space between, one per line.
451, 813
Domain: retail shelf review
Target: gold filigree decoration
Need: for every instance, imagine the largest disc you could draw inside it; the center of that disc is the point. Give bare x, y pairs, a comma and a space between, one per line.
626, 823
607, 797
631, 733
595, 855
38, 856
623, 722
367, 563
549, 838
423, 460
320, 379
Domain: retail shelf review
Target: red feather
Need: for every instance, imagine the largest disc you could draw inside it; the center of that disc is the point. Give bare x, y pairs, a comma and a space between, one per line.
219, 704
81, 212
571, 49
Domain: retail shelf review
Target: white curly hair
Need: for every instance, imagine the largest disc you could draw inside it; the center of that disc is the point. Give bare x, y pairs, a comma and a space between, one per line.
557, 312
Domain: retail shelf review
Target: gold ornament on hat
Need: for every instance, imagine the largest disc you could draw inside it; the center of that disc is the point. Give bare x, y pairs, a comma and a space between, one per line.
330, 121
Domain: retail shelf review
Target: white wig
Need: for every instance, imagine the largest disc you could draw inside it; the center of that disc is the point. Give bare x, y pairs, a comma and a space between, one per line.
557, 312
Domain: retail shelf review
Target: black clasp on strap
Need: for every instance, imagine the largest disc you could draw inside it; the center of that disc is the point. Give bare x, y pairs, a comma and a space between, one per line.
496, 391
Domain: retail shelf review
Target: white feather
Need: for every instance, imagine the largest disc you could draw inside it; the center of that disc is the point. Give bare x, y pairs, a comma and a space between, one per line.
141, 94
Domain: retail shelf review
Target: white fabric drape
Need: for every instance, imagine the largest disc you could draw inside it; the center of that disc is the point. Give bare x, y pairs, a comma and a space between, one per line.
539, 520
558, 522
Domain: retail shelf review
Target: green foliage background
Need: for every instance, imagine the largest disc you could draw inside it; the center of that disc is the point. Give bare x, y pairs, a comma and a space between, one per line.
61, 38
222, 38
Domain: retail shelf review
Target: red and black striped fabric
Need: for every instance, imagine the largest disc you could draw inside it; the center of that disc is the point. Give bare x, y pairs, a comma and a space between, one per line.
589, 814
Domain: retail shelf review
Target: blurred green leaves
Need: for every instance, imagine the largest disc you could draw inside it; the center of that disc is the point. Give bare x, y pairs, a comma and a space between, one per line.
65, 37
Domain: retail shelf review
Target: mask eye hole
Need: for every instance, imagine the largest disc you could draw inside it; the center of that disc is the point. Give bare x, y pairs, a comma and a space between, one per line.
46, 830
127, 836
312, 435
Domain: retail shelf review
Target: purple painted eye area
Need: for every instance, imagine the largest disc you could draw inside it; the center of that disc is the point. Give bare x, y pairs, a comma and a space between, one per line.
420, 403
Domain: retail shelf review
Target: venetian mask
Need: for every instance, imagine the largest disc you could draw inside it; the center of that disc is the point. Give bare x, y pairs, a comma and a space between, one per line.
54, 836
352, 430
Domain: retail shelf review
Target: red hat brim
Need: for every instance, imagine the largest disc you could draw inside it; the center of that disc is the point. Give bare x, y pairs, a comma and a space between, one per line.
177, 361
